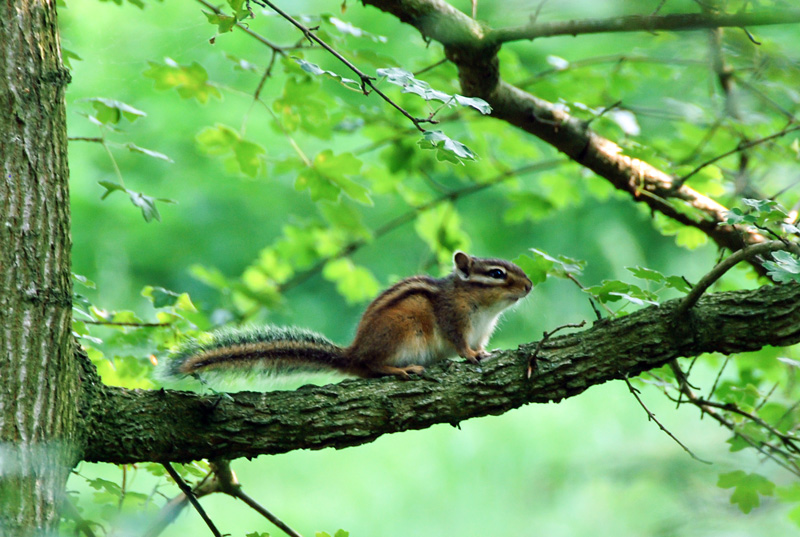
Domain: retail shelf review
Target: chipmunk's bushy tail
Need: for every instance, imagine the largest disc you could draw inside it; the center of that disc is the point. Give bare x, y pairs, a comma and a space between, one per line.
270, 349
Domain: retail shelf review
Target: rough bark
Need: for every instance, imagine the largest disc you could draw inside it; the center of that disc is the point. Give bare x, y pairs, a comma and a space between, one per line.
127, 426
39, 387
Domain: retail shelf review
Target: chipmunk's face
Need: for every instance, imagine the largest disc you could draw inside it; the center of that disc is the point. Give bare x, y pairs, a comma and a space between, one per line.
500, 281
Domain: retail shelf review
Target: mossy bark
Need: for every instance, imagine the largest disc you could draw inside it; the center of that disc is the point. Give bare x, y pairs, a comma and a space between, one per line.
39, 381
138, 425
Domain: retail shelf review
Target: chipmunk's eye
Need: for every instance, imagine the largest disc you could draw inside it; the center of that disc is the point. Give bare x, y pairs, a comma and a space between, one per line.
497, 274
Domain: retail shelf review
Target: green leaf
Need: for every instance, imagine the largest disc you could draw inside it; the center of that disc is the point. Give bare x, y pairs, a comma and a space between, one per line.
790, 493
110, 187
527, 206
191, 81
688, 237
248, 156
440, 228
242, 64
561, 266
794, 515
474, 102
217, 140
160, 297
691, 238
240, 8
210, 276
536, 267
147, 204
149, 152
639, 301
83, 280
747, 488
674, 282
349, 29
67, 55
111, 111
344, 216
328, 177
224, 23
356, 284
223, 140
446, 148
410, 84
316, 70
105, 485
125, 316
785, 268
644, 273
609, 290
318, 186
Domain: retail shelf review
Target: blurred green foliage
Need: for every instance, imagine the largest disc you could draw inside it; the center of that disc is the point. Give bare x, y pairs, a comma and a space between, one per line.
272, 190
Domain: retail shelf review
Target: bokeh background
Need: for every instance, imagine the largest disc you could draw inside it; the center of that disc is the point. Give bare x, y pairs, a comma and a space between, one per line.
589, 466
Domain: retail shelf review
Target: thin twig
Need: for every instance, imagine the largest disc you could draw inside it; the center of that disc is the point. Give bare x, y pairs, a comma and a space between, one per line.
638, 23
719, 376
187, 491
538, 12
741, 147
276, 48
94, 139
660, 5
724, 266
652, 417
68, 510
265, 513
592, 299
230, 485
431, 67
766, 397
767, 449
768, 100
788, 441
137, 325
366, 80
547, 335
615, 58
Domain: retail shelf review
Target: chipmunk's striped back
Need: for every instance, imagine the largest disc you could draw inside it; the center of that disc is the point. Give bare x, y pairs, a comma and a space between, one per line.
418, 321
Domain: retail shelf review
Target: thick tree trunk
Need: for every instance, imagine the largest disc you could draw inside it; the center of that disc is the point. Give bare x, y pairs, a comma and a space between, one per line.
38, 376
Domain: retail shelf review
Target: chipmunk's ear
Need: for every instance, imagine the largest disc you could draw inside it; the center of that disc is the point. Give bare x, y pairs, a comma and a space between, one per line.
463, 264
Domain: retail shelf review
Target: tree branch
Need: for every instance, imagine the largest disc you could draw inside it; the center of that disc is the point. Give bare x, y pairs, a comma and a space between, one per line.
125, 426
469, 46
645, 23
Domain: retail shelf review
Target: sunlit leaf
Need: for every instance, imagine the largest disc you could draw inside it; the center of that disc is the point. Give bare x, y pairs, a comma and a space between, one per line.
111, 111
446, 148
223, 140
784, 268
747, 488
356, 284
316, 70
191, 81
149, 152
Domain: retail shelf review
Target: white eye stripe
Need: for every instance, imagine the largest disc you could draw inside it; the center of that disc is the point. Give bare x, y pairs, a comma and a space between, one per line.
481, 278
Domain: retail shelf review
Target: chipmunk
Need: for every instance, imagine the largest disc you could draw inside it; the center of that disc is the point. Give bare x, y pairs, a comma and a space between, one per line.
418, 321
